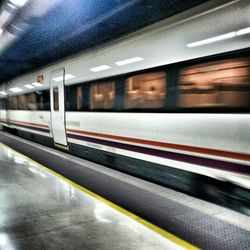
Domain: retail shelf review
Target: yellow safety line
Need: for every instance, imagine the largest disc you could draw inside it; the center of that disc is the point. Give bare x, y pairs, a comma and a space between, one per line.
138, 219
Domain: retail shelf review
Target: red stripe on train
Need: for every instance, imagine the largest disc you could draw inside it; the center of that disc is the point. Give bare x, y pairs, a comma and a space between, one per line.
25, 123
193, 149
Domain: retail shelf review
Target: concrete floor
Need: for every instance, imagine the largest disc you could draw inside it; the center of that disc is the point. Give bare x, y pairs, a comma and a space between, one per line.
41, 211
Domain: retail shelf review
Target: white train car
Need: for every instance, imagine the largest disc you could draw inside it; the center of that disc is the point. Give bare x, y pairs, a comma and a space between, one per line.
169, 103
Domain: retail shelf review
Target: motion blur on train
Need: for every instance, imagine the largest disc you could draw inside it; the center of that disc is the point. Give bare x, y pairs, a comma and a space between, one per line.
169, 103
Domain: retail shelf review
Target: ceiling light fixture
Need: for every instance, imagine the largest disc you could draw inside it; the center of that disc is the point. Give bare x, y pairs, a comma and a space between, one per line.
3, 93
29, 86
243, 31
37, 84
12, 6
19, 3
212, 39
15, 89
66, 77
229, 35
129, 60
100, 68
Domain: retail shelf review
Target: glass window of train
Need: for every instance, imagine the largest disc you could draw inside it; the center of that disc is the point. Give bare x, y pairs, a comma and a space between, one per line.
79, 97
102, 95
42, 98
13, 102
223, 83
31, 101
71, 98
56, 99
46, 99
67, 98
22, 103
146, 91
9, 102
2, 103
39, 100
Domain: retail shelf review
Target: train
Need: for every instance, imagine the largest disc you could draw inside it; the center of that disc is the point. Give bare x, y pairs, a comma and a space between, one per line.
168, 103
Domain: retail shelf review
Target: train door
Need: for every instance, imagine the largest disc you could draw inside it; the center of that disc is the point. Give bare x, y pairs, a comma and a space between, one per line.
58, 107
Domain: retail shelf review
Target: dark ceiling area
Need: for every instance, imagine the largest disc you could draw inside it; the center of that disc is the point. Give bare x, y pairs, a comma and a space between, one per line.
67, 27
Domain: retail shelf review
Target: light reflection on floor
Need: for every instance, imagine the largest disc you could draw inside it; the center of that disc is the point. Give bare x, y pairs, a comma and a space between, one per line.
39, 210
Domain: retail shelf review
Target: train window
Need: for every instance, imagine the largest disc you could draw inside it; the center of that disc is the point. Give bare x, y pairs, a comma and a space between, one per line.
56, 99
31, 101
224, 83
43, 100
79, 97
70, 101
3, 103
102, 95
13, 102
146, 91
46, 99
22, 103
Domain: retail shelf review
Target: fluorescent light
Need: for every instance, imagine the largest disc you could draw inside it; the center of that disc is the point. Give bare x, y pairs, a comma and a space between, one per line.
66, 77
58, 79
243, 31
37, 84
5, 17
212, 39
19, 3
232, 34
11, 6
129, 60
100, 68
15, 89
3, 93
29, 86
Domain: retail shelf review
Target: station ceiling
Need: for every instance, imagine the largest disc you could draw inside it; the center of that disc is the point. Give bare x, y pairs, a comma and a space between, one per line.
46, 31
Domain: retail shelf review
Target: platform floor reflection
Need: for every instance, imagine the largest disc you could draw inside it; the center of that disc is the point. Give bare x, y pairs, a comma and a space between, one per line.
41, 211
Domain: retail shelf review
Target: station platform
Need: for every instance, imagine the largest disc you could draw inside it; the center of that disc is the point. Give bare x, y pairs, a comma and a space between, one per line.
40, 210
53, 200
